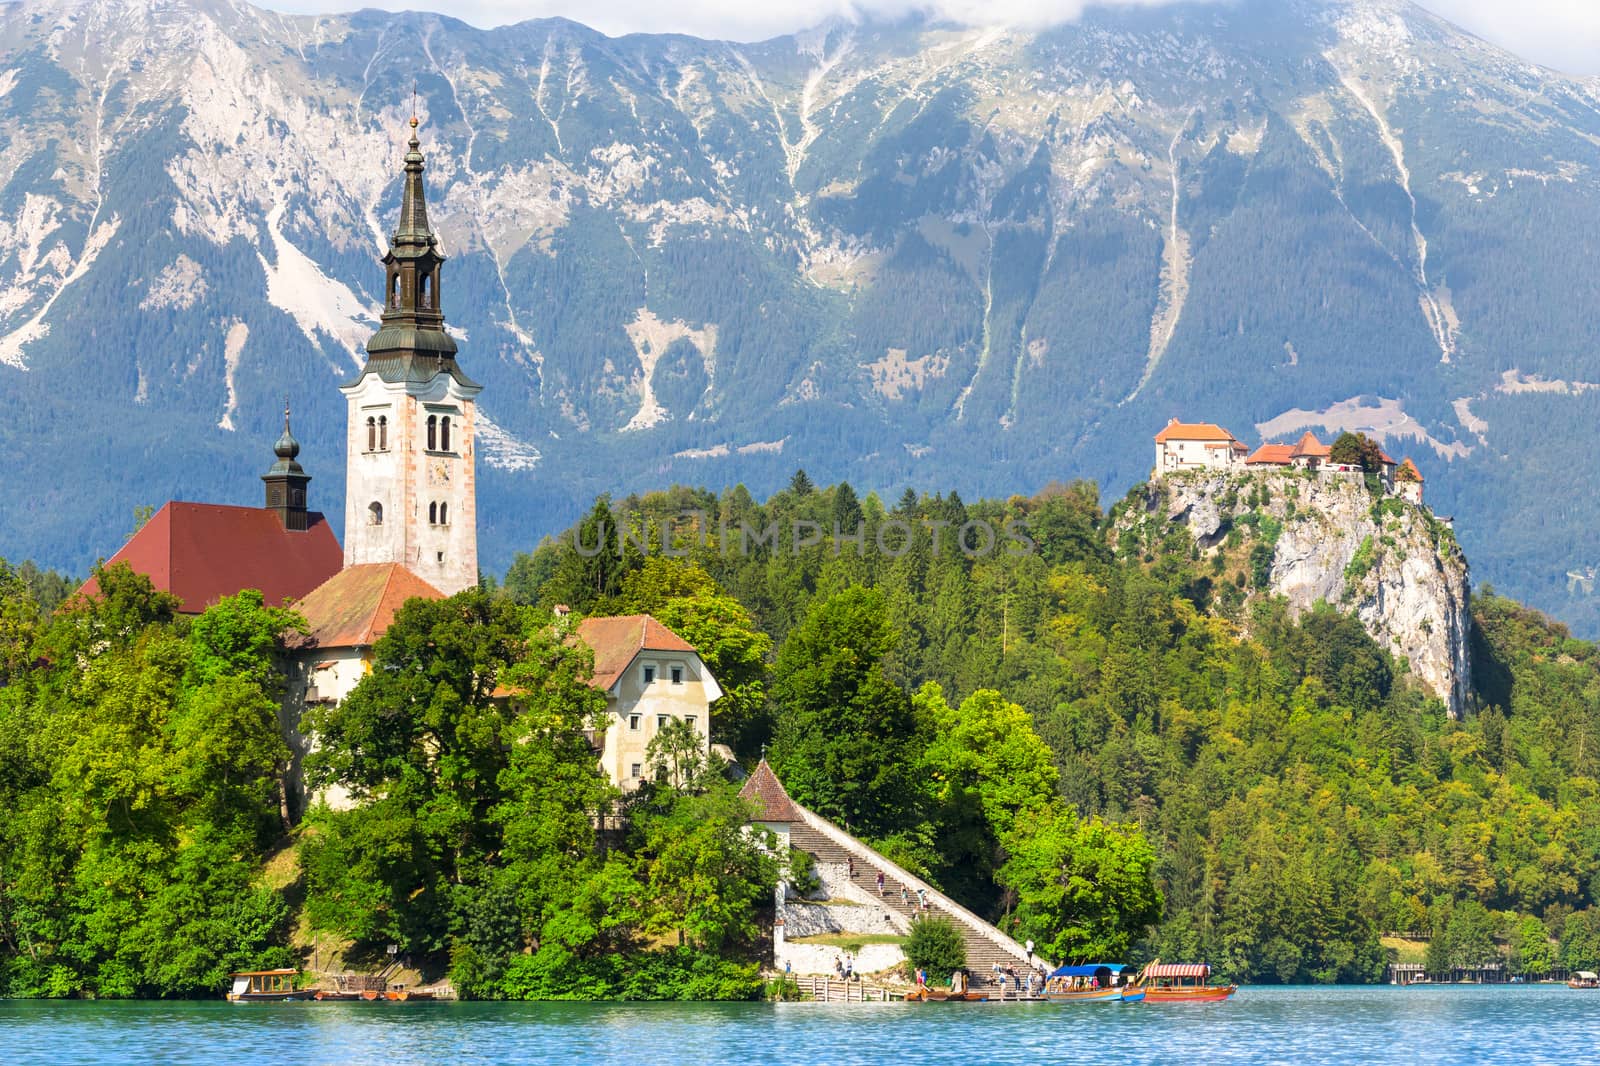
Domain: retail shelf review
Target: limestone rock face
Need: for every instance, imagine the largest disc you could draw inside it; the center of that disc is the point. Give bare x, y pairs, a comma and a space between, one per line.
1390, 563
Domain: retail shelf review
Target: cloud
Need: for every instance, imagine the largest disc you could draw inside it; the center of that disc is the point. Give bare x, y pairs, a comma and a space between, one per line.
1564, 34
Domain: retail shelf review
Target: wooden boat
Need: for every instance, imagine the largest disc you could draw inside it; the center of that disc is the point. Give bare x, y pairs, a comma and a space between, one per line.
1093, 982
325, 995
1181, 982
265, 986
404, 995
1583, 979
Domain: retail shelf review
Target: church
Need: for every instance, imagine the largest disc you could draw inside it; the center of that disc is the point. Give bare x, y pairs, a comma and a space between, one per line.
410, 527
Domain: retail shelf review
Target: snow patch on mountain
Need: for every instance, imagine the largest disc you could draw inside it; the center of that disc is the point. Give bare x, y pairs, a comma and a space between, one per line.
232, 348
316, 302
181, 284
501, 450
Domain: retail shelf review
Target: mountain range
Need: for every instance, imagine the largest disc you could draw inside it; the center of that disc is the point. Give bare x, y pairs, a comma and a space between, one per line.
897, 253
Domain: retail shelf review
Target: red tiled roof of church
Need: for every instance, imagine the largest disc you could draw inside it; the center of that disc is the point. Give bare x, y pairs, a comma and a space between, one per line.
1176, 430
1408, 471
201, 552
767, 794
356, 606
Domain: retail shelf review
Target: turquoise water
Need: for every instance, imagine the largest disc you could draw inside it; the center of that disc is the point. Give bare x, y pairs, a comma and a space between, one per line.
1399, 1026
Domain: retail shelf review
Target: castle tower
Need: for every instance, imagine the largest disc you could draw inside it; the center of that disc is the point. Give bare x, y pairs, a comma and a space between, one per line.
410, 485
285, 482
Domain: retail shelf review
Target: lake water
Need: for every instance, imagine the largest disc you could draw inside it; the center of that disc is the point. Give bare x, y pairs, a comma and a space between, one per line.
1400, 1026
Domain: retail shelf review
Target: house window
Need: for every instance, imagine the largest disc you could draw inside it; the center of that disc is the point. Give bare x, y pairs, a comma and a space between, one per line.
439, 558
677, 675
661, 721
633, 721
649, 675
433, 433
444, 434
374, 513
637, 769
689, 720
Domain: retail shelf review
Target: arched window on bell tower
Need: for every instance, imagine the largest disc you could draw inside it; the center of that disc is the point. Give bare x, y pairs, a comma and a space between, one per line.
425, 300
444, 514
374, 513
444, 434
433, 514
433, 433
383, 433
372, 434
394, 288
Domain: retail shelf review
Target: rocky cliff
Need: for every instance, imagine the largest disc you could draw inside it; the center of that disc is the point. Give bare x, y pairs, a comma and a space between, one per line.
1331, 537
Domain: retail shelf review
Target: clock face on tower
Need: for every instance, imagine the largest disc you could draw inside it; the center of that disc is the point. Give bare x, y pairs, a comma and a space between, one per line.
438, 472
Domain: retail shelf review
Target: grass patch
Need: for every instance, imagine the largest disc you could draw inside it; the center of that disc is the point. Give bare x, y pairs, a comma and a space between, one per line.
851, 942
1406, 950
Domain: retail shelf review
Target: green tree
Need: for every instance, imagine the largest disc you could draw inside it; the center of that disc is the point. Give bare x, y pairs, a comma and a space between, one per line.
1084, 888
935, 946
847, 738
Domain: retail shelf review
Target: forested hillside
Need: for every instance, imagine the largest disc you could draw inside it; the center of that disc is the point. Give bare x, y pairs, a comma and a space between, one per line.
1213, 779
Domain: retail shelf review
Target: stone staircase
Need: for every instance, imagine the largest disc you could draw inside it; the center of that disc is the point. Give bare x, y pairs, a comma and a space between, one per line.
986, 945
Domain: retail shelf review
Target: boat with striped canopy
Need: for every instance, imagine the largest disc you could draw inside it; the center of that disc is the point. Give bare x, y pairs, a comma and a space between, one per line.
1182, 982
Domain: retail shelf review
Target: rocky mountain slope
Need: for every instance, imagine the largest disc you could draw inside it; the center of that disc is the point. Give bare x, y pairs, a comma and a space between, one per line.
1329, 538
896, 253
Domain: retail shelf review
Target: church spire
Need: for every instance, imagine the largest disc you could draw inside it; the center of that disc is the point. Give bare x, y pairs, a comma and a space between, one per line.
412, 344
413, 230
286, 481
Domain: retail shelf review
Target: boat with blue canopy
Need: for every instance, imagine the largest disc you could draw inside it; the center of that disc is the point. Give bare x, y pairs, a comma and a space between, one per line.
1093, 982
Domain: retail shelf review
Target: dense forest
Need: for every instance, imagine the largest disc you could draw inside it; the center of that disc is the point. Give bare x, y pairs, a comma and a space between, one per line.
1098, 741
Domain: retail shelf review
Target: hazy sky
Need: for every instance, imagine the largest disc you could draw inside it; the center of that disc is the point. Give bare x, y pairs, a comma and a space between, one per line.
1560, 33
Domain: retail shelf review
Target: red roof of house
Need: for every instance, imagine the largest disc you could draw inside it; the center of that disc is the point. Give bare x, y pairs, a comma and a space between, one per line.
1176, 430
1408, 471
201, 552
1310, 446
767, 793
356, 606
617, 639
1271, 455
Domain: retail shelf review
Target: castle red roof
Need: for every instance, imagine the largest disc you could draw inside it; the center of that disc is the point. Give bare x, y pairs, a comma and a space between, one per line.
767, 794
1310, 447
1176, 430
356, 606
201, 552
617, 639
1271, 455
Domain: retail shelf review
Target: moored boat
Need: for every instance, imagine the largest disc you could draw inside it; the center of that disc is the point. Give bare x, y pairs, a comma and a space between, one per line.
1181, 982
1093, 982
1583, 979
265, 986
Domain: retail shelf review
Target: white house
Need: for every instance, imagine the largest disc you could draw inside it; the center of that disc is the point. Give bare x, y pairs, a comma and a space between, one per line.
1196, 446
651, 676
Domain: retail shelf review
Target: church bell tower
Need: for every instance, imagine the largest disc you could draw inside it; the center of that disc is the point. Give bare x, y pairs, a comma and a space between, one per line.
410, 485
